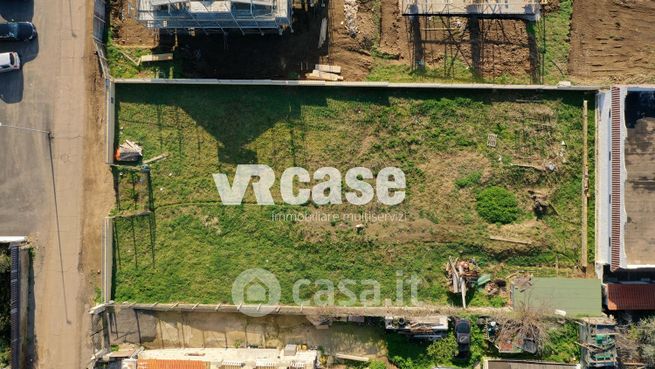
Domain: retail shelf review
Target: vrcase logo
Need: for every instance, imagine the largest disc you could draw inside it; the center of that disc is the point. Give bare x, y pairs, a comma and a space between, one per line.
389, 185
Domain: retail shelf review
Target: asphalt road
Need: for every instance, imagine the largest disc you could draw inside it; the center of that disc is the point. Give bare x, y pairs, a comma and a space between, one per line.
41, 180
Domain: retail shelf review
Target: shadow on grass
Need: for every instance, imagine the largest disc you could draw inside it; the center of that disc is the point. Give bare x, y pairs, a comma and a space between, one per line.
237, 115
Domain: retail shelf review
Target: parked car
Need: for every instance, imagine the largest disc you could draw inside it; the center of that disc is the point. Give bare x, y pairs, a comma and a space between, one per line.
17, 31
463, 336
9, 61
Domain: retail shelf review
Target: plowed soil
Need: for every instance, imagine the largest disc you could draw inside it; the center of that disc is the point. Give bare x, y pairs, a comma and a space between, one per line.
612, 40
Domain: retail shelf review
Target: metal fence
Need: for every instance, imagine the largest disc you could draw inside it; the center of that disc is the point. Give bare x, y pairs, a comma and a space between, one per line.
99, 19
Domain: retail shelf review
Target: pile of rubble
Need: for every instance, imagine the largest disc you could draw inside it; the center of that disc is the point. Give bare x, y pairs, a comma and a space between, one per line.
350, 13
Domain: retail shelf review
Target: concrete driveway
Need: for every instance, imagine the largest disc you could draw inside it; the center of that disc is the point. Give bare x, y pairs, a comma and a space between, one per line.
41, 181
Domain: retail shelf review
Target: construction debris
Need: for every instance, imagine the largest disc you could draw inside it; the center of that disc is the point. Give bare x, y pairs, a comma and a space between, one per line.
598, 342
323, 76
540, 168
496, 287
361, 359
492, 138
429, 328
328, 68
510, 240
522, 333
462, 275
156, 158
350, 12
155, 58
541, 203
129, 151
323, 33
325, 72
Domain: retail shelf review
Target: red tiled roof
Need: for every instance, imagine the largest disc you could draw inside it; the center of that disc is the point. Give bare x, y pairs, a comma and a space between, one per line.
170, 364
630, 296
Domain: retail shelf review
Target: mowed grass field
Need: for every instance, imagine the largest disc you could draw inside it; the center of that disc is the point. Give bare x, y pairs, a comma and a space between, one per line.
192, 247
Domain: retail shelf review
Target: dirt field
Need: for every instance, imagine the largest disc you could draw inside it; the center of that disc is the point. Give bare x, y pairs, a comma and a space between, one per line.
156, 330
612, 41
460, 46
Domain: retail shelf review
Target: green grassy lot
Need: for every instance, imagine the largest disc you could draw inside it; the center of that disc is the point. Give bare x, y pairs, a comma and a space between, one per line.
190, 247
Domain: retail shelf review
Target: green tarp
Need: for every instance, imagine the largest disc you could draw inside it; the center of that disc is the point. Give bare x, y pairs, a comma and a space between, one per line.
577, 297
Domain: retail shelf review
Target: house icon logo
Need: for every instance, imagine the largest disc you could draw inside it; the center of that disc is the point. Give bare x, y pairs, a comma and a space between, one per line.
256, 291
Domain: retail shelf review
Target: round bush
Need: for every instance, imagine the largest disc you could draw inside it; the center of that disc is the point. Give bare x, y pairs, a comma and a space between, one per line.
497, 205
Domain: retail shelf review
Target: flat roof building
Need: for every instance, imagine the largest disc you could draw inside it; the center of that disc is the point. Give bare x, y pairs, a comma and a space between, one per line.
246, 16
625, 179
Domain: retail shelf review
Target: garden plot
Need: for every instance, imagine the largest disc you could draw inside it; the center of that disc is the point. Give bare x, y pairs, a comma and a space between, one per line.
476, 164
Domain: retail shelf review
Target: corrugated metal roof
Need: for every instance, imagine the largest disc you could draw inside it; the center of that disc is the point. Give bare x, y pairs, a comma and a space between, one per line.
171, 364
616, 207
576, 296
630, 296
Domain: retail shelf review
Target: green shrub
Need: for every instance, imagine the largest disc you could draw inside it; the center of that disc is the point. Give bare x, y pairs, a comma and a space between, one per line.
470, 179
646, 339
442, 351
376, 364
560, 344
497, 205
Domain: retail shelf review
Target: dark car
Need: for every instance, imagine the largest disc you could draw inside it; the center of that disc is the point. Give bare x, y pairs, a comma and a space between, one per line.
463, 336
17, 31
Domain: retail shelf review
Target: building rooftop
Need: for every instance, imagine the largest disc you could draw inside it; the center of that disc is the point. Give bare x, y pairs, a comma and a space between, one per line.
639, 200
625, 179
575, 296
630, 296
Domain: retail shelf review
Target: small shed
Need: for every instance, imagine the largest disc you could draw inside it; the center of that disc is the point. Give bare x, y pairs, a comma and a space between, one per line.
574, 297
598, 343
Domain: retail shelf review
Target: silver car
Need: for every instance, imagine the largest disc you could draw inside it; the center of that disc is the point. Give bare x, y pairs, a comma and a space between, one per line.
9, 61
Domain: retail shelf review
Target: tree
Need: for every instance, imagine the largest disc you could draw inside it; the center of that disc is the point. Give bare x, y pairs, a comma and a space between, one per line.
646, 340
5, 262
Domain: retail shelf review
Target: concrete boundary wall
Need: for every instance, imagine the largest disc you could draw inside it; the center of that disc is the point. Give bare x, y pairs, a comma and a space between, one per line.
107, 258
603, 180
306, 83
110, 117
336, 311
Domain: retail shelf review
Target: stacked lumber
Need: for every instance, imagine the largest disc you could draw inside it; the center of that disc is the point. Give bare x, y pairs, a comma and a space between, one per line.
324, 72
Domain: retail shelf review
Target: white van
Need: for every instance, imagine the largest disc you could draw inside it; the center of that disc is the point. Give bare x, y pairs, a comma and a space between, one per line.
9, 61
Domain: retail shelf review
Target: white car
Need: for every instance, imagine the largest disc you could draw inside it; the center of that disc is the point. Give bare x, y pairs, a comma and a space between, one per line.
9, 61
